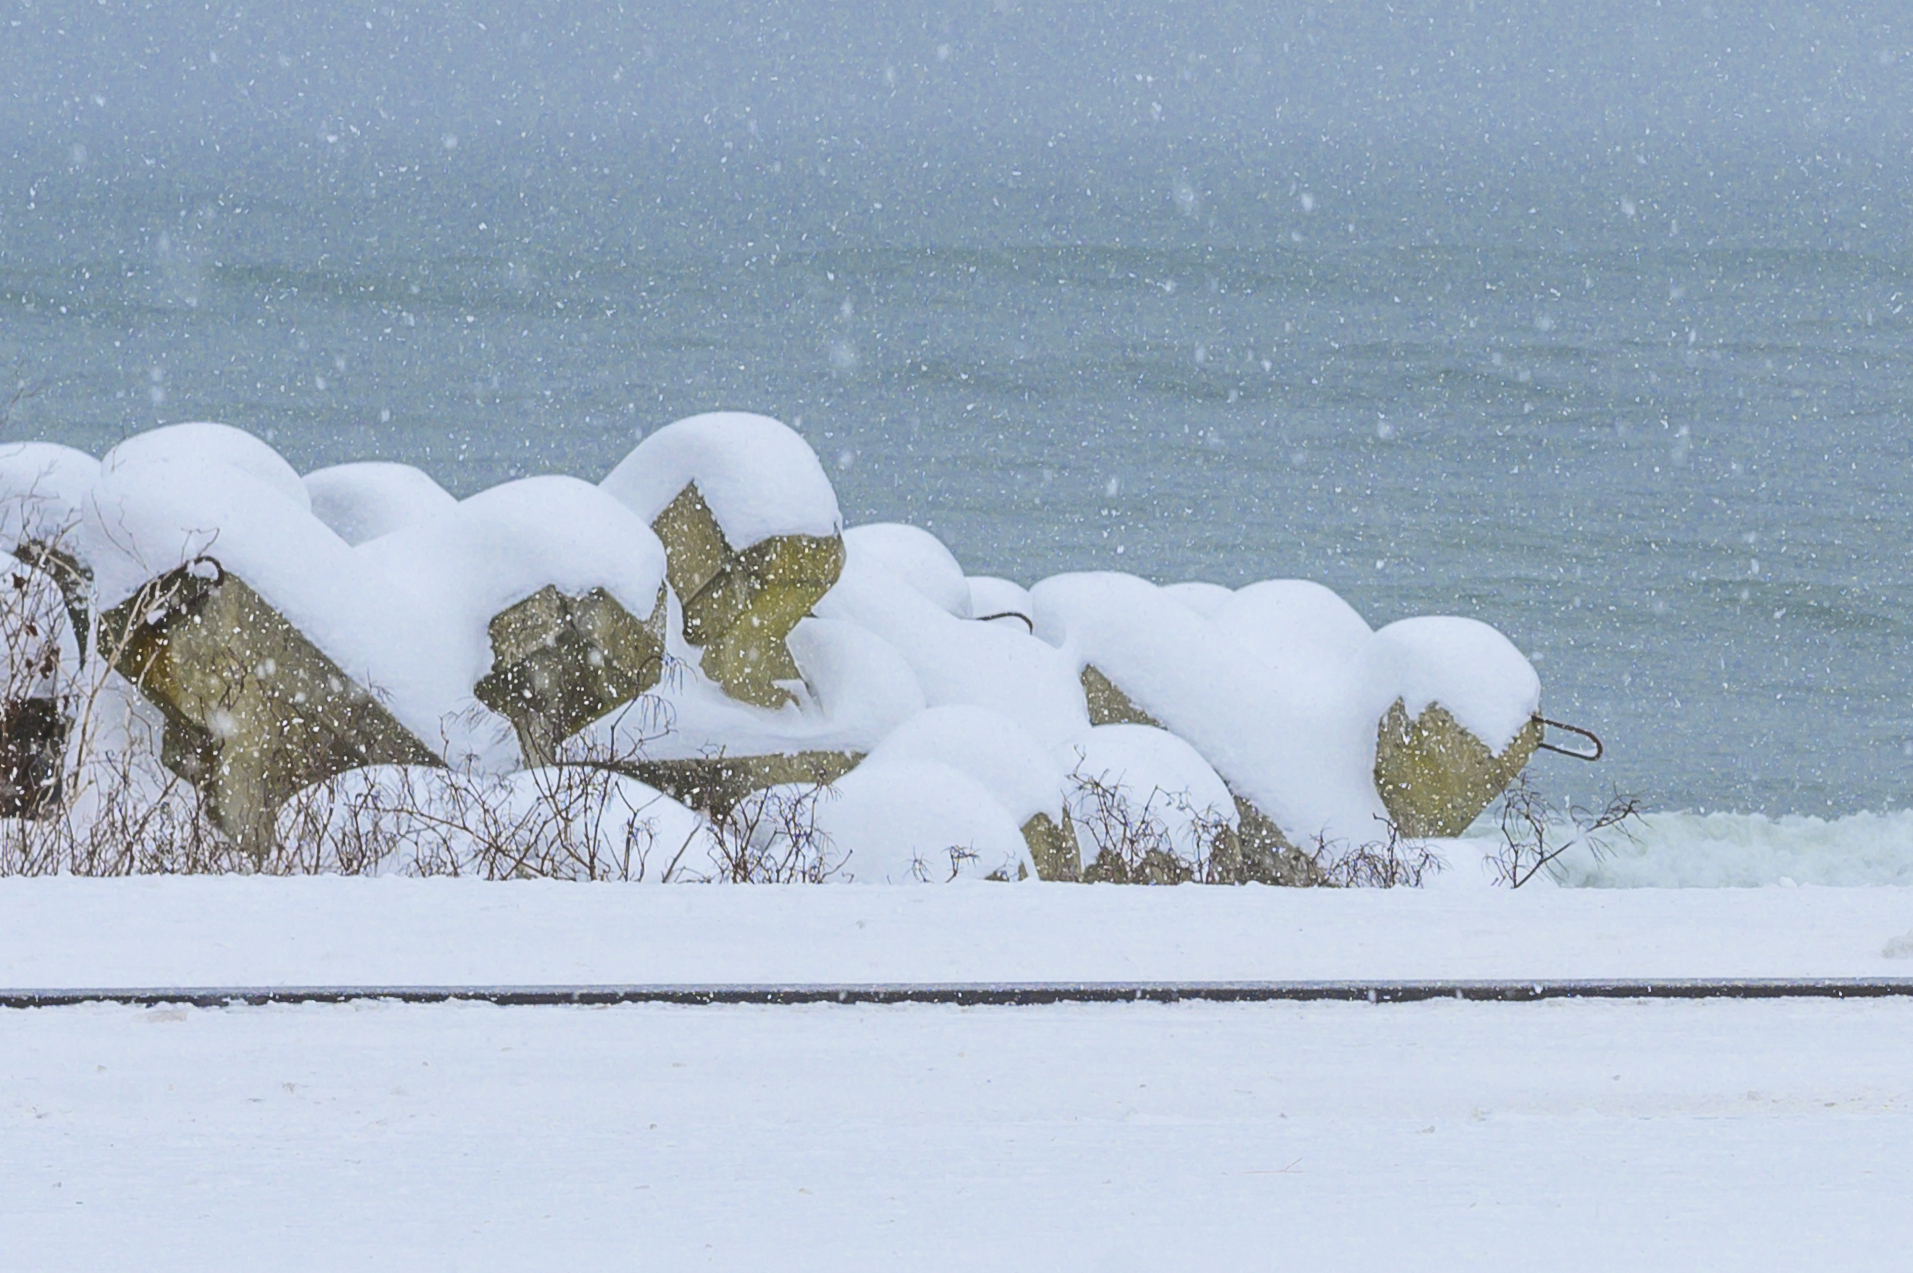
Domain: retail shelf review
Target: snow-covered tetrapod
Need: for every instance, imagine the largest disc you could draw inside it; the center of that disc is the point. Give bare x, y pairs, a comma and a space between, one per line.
751, 534
925, 724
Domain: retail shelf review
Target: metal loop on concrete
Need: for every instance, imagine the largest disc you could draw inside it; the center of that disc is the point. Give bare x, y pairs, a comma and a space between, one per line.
1588, 734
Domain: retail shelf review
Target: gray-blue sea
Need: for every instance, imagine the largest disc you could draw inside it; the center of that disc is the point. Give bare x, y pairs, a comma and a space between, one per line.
1639, 400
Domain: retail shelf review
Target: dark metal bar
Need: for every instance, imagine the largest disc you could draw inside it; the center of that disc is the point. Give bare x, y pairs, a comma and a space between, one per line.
1599, 749
986, 994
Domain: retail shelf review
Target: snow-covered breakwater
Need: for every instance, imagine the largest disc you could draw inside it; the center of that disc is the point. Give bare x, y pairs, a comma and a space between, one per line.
689, 670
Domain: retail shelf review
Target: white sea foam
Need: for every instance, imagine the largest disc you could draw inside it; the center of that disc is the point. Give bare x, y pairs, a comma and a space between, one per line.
1741, 850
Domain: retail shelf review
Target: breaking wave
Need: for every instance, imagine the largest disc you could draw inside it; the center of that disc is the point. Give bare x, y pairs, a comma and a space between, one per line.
1742, 850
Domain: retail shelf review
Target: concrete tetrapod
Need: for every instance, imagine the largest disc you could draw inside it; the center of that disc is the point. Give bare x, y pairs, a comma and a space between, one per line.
1053, 848
33, 734
1435, 777
561, 662
34, 723
740, 605
254, 711
1256, 852
715, 785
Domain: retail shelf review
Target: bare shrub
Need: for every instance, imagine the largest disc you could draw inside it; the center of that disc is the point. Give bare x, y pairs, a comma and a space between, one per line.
772, 837
565, 821
1390, 862
1124, 841
1535, 832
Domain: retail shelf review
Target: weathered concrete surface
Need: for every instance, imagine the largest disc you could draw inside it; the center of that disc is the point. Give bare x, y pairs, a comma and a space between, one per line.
1053, 848
1155, 867
1435, 777
33, 734
1266, 856
715, 785
740, 605
70, 575
254, 711
1108, 705
561, 662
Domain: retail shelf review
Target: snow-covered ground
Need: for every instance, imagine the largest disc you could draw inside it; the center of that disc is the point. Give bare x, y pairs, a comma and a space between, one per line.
1562, 1135
328, 930
1571, 1134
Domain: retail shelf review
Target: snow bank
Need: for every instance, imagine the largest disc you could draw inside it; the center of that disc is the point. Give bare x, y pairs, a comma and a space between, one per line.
1281, 686
540, 823
1273, 692
364, 501
319, 930
758, 477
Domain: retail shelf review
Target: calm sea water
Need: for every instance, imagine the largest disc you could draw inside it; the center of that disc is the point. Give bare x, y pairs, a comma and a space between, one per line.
1678, 475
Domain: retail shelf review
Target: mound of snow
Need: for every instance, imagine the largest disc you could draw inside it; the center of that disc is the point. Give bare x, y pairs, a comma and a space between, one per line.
210, 446
989, 747
758, 477
42, 490
1487, 685
915, 557
961, 661
367, 500
407, 613
898, 821
856, 689
1149, 773
1295, 626
534, 822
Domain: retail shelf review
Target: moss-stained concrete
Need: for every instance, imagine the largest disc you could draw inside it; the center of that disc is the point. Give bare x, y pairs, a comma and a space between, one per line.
715, 785
33, 734
1435, 777
1108, 705
1267, 857
1053, 848
70, 575
740, 605
254, 711
561, 662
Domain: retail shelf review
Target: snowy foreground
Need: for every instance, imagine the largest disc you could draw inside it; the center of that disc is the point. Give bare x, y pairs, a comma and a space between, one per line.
328, 930
1569, 1134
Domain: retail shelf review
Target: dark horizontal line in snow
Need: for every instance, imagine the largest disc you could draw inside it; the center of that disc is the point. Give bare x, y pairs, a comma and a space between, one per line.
987, 994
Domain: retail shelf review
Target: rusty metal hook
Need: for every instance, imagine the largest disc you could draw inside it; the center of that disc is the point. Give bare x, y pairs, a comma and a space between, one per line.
1009, 614
1596, 754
